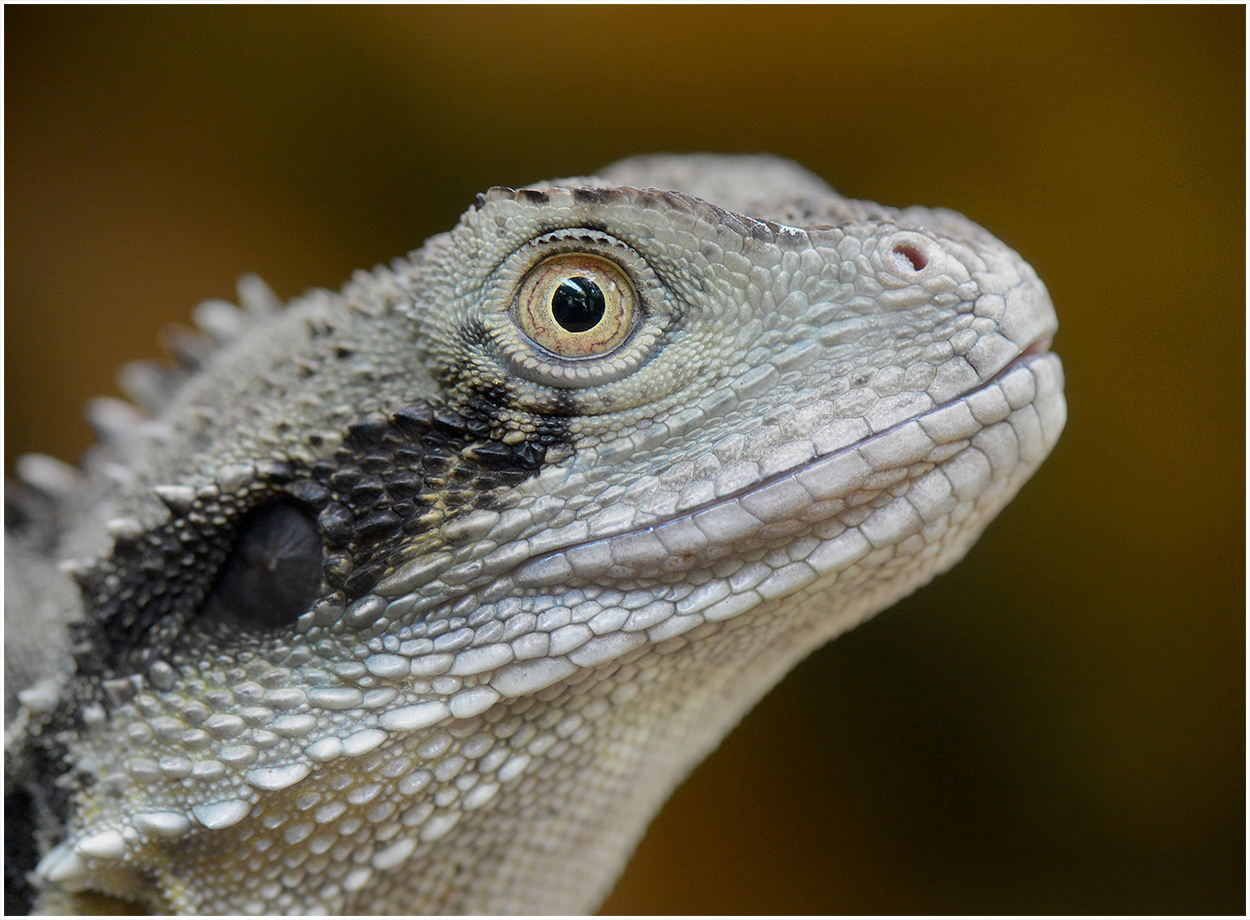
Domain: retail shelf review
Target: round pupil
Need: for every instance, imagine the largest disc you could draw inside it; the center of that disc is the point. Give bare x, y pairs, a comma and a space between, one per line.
577, 304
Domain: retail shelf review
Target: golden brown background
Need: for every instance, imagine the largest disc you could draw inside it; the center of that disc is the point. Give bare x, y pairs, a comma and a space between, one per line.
1058, 725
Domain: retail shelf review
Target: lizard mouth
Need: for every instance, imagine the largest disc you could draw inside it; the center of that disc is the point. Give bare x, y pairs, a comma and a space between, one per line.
848, 498
1040, 346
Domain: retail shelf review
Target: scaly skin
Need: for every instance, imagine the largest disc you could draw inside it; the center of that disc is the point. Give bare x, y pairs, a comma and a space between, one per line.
523, 547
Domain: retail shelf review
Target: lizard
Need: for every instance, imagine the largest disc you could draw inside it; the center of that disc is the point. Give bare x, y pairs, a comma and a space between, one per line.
423, 595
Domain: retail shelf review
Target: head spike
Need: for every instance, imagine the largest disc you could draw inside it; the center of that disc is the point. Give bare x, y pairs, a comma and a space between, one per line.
223, 321
78, 569
150, 384
124, 529
48, 476
190, 348
257, 297
178, 499
118, 425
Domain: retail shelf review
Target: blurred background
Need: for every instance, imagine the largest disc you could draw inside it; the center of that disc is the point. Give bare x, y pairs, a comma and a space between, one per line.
1056, 726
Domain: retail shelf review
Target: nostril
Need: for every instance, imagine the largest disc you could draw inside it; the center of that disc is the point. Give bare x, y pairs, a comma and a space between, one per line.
910, 257
913, 255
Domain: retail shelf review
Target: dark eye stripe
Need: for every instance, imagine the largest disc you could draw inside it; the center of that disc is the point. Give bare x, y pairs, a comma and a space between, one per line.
250, 564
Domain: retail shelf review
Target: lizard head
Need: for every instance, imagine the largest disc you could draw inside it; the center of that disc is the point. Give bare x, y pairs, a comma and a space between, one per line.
426, 594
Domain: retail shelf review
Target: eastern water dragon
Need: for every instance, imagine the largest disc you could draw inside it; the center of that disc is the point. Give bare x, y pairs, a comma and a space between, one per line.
423, 596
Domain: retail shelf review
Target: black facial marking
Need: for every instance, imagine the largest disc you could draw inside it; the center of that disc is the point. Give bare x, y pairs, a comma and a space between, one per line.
21, 853
239, 567
395, 478
471, 334
141, 596
37, 797
536, 196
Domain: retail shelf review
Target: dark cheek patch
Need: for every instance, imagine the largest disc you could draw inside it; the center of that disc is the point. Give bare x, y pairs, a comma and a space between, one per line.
394, 480
253, 562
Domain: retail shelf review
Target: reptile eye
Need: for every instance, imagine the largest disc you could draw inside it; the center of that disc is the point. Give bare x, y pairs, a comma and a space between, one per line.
576, 306
273, 571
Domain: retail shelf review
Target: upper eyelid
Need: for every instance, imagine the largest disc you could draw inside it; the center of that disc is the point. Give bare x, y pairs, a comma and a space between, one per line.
605, 246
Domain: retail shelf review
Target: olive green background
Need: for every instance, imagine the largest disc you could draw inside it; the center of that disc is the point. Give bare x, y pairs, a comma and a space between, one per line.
1058, 725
